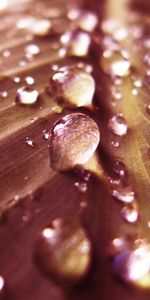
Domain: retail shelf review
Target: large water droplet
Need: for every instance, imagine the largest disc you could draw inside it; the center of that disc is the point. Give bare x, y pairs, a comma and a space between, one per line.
73, 141
64, 251
131, 262
27, 96
73, 86
117, 124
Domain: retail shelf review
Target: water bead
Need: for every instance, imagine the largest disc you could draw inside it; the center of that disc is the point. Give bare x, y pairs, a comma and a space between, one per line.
117, 124
73, 86
64, 251
27, 96
73, 140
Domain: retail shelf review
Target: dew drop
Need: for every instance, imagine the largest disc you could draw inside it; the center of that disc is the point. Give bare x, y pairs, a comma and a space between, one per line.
64, 251
16, 79
81, 186
6, 53
117, 124
148, 108
131, 262
77, 43
29, 80
123, 194
4, 94
31, 50
73, 85
2, 283
27, 96
41, 27
120, 169
86, 21
26, 216
29, 142
73, 140
45, 134
134, 92
130, 214
116, 65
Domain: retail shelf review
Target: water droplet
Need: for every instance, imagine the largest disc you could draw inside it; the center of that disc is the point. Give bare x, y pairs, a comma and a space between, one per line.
86, 20
29, 80
131, 262
116, 93
2, 283
81, 186
148, 108
6, 53
115, 144
77, 43
138, 83
39, 27
45, 134
4, 94
26, 216
29, 142
130, 214
64, 251
73, 141
123, 194
31, 50
16, 79
134, 92
73, 85
120, 169
118, 125
27, 96
116, 65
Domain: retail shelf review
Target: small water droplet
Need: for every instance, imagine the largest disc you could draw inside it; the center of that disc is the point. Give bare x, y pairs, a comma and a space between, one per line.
77, 43
45, 134
27, 96
116, 93
86, 20
81, 186
2, 283
16, 79
31, 50
120, 169
6, 53
138, 83
130, 214
73, 86
148, 108
123, 194
134, 92
73, 140
131, 262
116, 65
64, 251
29, 142
115, 144
4, 94
117, 124
29, 80
26, 216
